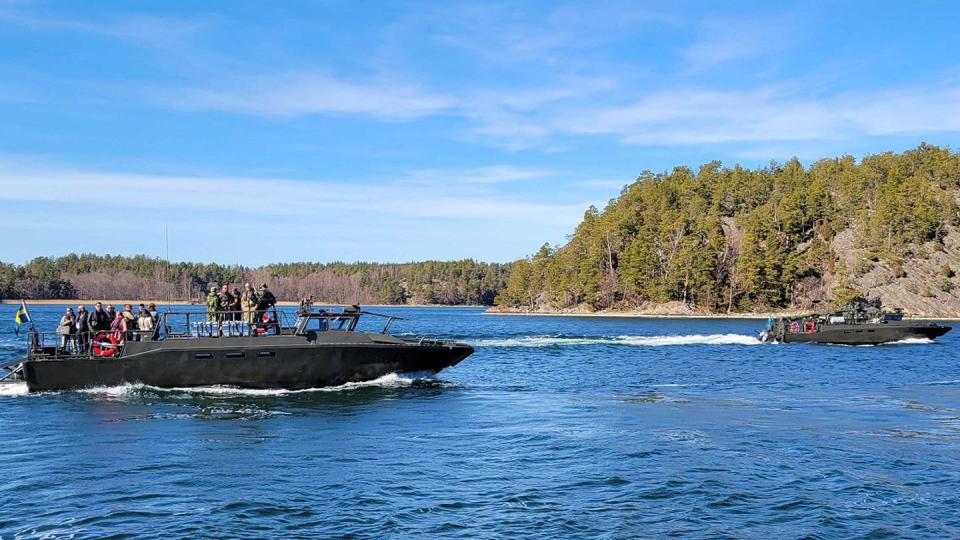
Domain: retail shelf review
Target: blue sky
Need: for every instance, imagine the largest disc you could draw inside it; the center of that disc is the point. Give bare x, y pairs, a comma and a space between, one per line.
396, 131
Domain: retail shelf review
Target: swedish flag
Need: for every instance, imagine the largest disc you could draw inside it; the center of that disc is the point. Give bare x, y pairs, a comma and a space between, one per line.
22, 316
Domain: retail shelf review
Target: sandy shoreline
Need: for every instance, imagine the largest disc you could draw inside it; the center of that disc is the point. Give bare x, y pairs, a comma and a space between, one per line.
644, 315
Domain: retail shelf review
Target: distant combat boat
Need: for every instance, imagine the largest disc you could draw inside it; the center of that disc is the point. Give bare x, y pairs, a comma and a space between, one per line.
860, 322
321, 348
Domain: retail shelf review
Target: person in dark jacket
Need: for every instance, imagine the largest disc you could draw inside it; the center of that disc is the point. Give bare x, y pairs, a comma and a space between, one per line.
152, 308
99, 320
235, 309
82, 322
111, 314
267, 299
226, 301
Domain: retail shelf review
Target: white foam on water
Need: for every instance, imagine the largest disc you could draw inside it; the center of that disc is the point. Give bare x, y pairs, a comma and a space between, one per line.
911, 341
13, 389
638, 341
391, 380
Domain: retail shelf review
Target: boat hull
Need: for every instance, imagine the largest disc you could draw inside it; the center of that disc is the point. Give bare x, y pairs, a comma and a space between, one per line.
866, 334
261, 365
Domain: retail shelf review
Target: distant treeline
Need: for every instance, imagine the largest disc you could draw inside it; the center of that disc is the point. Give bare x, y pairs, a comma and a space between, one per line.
465, 282
734, 239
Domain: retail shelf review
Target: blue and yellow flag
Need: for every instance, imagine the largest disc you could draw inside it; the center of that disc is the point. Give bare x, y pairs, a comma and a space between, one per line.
22, 315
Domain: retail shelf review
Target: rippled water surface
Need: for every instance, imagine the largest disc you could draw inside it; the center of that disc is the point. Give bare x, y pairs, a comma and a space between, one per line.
555, 427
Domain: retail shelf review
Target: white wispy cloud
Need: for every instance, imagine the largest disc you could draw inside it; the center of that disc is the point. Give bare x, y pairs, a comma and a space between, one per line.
142, 30
493, 174
293, 94
720, 41
254, 220
292, 198
704, 116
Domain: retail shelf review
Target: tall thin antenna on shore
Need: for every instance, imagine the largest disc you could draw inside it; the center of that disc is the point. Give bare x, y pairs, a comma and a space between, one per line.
166, 272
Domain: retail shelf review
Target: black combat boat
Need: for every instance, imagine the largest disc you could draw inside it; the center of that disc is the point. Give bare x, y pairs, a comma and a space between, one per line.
321, 348
860, 322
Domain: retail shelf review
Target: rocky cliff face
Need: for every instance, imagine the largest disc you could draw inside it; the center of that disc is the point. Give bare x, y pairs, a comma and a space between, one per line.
923, 284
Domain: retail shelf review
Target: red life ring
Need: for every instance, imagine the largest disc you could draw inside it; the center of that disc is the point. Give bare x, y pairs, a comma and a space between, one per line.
794, 327
105, 345
265, 318
809, 327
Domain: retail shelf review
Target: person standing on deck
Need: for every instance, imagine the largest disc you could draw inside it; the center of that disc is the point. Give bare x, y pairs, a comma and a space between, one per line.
145, 324
267, 301
99, 320
83, 328
235, 305
127, 314
119, 328
155, 320
248, 302
67, 330
213, 304
226, 300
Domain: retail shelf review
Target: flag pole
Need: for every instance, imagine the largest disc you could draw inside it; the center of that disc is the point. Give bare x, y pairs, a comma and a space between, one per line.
27, 312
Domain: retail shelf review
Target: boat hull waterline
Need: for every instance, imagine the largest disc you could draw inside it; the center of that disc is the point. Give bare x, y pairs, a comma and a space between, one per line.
244, 363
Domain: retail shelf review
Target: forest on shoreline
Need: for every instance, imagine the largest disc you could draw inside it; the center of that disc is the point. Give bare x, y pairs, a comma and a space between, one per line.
730, 239
715, 240
88, 276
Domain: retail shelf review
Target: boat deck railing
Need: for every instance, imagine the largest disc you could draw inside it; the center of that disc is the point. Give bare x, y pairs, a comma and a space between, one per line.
51, 345
197, 324
202, 324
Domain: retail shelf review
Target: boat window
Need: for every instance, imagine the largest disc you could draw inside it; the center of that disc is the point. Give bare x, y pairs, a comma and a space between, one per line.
203, 355
263, 354
240, 354
316, 324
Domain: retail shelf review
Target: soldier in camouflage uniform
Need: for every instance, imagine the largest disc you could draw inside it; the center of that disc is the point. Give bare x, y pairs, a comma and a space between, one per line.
248, 302
213, 304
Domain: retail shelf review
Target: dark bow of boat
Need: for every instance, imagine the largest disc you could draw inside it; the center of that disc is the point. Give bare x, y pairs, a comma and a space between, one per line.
190, 349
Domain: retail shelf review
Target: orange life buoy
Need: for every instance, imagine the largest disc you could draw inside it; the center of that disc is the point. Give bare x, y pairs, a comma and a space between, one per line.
105, 344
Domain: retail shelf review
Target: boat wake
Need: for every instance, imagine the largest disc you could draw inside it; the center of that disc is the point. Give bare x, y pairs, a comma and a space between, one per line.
638, 341
912, 341
392, 380
904, 341
13, 389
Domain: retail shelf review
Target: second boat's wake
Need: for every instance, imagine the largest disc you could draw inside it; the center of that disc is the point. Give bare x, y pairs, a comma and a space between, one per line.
640, 341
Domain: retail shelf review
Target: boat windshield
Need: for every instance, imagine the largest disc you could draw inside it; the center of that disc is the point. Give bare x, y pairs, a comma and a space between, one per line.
324, 321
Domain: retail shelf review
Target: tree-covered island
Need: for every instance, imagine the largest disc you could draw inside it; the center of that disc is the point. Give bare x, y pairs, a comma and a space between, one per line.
730, 239
717, 240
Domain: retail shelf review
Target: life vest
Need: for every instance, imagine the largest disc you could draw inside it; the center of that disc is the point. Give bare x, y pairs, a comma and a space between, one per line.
105, 344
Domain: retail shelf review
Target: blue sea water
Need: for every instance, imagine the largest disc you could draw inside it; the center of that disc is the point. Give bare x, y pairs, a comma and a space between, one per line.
554, 428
